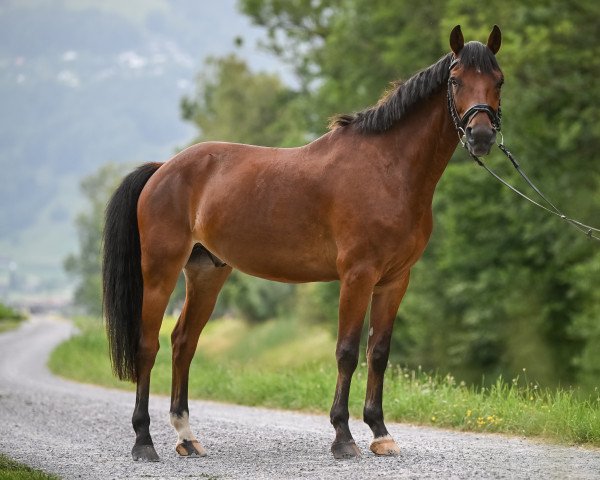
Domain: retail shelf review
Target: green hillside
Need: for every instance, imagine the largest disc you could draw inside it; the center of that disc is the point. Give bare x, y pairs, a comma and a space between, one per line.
84, 83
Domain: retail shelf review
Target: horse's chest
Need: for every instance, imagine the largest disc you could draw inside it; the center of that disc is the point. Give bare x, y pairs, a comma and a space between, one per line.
404, 241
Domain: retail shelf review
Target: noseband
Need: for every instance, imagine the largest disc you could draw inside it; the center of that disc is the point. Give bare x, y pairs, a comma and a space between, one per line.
461, 123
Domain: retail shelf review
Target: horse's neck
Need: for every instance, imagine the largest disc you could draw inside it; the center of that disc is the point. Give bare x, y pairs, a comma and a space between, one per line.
423, 143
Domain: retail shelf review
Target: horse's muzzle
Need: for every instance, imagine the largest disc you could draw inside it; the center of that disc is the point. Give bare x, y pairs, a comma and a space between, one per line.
480, 139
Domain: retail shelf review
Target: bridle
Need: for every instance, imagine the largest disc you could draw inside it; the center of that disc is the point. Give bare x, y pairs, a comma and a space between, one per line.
495, 116
461, 123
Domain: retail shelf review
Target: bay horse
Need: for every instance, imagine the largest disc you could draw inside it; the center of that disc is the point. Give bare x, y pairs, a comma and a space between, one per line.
354, 205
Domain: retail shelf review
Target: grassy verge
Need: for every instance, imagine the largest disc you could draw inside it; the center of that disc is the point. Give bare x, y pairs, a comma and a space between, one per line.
11, 470
9, 318
289, 365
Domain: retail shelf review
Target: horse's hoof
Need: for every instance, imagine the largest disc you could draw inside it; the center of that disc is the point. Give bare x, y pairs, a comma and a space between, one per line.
385, 446
345, 450
144, 453
190, 449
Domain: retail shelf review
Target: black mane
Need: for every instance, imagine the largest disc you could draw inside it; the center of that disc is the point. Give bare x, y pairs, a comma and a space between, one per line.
403, 96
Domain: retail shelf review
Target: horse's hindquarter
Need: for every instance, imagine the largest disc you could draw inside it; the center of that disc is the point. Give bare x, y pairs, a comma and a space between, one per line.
265, 211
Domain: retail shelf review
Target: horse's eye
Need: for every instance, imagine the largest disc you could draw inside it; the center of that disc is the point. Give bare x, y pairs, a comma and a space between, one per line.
454, 81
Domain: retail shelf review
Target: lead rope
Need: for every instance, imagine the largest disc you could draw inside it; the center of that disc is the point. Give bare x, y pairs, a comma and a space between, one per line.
496, 117
554, 210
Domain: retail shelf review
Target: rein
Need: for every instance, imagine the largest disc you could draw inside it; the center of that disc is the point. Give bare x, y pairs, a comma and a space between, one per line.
461, 123
553, 209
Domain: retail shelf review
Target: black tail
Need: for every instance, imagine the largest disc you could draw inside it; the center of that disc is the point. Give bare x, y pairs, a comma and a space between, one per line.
122, 282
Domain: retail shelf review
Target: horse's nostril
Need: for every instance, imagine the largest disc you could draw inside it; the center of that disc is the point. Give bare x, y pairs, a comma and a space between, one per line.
480, 134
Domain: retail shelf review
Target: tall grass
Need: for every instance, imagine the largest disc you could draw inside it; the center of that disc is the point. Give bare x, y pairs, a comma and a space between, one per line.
506, 407
290, 365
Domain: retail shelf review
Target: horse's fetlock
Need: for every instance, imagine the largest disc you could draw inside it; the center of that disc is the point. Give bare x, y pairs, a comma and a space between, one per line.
140, 420
372, 414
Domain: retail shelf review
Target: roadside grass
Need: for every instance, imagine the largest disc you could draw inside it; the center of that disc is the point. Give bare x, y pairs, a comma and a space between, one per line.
7, 324
11, 470
286, 364
9, 318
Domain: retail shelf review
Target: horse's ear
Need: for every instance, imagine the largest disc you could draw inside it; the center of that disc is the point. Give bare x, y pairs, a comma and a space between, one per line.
457, 41
494, 40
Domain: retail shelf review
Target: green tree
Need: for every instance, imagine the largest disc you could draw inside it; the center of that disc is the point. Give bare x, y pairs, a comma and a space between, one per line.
585, 326
7, 313
505, 294
501, 286
232, 103
513, 263
347, 52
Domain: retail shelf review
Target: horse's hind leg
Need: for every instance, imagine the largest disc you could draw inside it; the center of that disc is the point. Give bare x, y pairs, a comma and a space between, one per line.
203, 282
384, 307
160, 269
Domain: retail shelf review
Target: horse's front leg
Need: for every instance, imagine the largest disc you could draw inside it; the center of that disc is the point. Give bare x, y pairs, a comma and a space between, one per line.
356, 289
384, 307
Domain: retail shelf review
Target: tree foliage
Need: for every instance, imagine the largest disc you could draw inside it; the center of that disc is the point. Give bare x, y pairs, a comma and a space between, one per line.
232, 103
501, 286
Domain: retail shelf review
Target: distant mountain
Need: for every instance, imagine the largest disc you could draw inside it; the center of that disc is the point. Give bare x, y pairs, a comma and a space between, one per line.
85, 82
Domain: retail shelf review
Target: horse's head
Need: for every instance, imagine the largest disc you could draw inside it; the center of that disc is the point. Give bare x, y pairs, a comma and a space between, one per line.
474, 90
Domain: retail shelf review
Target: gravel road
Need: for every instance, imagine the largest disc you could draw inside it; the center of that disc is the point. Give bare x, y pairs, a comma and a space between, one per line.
81, 431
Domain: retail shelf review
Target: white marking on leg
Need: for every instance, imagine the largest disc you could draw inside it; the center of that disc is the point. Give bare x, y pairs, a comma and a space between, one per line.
182, 426
384, 445
371, 332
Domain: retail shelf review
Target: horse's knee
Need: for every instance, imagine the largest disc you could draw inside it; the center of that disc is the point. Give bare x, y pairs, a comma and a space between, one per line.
378, 357
347, 357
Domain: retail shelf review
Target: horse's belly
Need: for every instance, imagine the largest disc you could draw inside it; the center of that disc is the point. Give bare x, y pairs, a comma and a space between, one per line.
288, 272
279, 249
285, 261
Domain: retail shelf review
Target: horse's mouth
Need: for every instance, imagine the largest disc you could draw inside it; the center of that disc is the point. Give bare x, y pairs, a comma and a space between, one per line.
479, 150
